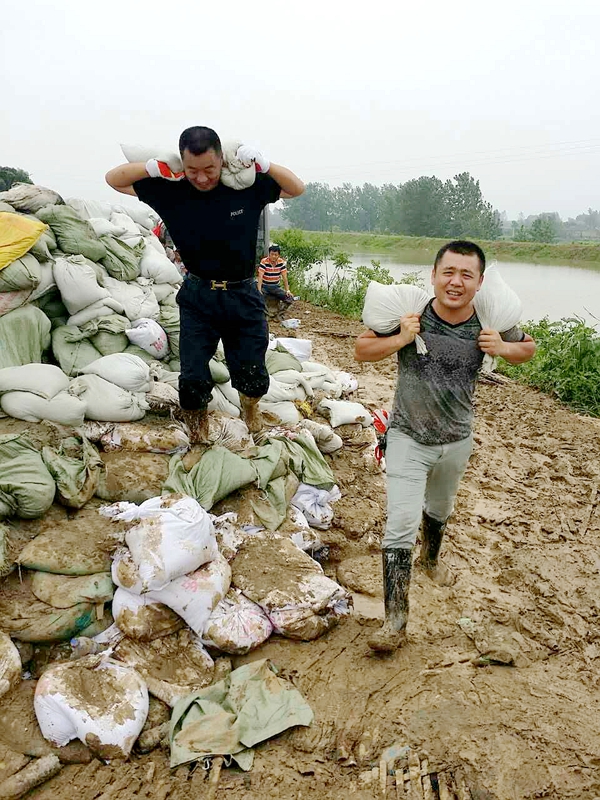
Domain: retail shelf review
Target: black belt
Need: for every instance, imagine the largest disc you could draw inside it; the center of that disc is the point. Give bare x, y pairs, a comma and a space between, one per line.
223, 285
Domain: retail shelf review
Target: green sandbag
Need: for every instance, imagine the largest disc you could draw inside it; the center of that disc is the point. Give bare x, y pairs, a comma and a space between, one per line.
26, 487
52, 305
72, 350
175, 365
121, 261
75, 236
24, 273
109, 343
134, 350
76, 469
65, 591
28, 619
218, 371
280, 359
107, 334
218, 473
306, 461
169, 322
24, 336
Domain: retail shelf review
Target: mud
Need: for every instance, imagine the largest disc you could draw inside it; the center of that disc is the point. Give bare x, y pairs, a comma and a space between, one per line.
524, 543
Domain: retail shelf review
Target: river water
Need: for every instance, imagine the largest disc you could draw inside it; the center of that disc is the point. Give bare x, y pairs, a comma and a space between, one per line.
545, 291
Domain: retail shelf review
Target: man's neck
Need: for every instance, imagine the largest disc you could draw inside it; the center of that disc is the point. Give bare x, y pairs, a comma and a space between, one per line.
452, 316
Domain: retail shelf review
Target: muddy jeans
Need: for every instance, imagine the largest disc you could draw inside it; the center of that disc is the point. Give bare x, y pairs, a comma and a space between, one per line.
420, 477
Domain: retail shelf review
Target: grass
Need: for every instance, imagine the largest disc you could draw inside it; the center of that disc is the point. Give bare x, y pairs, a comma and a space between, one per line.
421, 250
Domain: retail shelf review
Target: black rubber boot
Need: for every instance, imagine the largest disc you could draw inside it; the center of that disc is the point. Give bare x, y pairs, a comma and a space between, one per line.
397, 563
433, 533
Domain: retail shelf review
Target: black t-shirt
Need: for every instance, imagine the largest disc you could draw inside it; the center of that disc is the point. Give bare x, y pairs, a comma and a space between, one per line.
215, 232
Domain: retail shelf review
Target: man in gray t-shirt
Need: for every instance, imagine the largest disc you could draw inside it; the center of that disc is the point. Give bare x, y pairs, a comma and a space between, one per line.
429, 438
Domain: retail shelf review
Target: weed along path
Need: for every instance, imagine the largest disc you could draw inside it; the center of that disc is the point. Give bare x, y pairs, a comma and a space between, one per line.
497, 690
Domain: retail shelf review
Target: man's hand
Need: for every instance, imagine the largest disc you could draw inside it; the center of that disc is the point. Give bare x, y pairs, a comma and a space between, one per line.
410, 326
160, 169
249, 155
491, 342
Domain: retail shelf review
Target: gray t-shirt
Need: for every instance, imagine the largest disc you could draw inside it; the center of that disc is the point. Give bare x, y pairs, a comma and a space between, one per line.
434, 394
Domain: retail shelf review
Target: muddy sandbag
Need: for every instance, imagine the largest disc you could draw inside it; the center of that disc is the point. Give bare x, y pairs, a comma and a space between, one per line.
292, 589
237, 625
143, 619
65, 591
79, 544
10, 664
30, 198
5, 559
95, 699
74, 235
163, 398
107, 402
26, 487
75, 467
63, 408
72, 350
172, 666
23, 273
28, 619
139, 437
121, 477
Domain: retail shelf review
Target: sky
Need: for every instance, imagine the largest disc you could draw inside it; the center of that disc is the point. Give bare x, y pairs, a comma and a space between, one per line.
383, 91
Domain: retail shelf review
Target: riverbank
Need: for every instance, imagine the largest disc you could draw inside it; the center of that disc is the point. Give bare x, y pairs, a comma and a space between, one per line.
422, 250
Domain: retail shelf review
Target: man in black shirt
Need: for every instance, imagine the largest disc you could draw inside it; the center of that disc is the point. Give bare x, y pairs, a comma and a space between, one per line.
214, 228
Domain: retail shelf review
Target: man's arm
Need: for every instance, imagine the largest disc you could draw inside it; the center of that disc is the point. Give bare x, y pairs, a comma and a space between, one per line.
370, 347
491, 342
284, 276
122, 178
291, 185
261, 274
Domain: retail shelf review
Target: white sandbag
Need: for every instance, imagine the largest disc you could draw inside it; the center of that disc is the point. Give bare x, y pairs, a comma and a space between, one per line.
300, 348
123, 220
155, 242
10, 664
219, 402
90, 209
237, 625
105, 227
123, 369
343, 412
103, 308
143, 619
332, 389
164, 292
174, 536
283, 392
326, 438
107, 402
286, 412
63, 408
315, 504
147, 334
137, 299
347, 381
294, 378
100, 701
230, 393
192, 596
158, 267
138, 437
386, 305
77, 283
140, 153
44, 380
497, 306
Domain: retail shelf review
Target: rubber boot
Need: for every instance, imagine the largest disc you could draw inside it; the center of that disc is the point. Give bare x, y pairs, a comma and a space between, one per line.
433, 533
197, 425
251, 413
397, 564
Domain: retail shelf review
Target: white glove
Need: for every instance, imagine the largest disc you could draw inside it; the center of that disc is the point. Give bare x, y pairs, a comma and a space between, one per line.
160, 169
247, 155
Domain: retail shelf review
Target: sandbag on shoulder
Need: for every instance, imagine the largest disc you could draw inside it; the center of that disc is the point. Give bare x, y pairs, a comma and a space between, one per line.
385, 305
497, 306
26, 487
74, 235
107, 402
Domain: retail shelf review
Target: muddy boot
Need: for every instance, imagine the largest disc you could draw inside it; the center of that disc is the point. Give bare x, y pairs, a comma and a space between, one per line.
397, 564
433, 533
197, 424
251, 413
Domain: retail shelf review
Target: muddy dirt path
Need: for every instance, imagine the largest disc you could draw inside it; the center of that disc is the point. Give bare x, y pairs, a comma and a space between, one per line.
498, 685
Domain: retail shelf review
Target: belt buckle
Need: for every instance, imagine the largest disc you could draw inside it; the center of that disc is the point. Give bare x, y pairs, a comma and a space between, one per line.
219, 285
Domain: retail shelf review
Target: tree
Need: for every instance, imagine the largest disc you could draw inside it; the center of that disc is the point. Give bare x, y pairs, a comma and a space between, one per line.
422, 208
542, 230
313, 210
10, 175
468, 213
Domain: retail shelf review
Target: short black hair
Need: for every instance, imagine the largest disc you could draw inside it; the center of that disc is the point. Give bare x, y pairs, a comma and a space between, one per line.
274, 248
199, 140
463, 248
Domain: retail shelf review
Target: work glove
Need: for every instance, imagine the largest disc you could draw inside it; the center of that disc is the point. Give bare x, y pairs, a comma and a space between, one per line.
248, 155
160, 169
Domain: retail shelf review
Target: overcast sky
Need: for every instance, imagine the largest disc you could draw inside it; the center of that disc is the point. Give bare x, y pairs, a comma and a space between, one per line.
380, 91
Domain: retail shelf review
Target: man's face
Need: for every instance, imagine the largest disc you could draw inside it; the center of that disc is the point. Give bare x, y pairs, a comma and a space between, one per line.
456, 280
203, 172
273, 257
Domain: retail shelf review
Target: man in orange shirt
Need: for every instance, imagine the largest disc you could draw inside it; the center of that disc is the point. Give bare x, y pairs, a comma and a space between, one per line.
272, 270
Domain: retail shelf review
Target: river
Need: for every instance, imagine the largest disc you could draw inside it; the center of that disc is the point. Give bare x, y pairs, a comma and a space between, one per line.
545, 291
